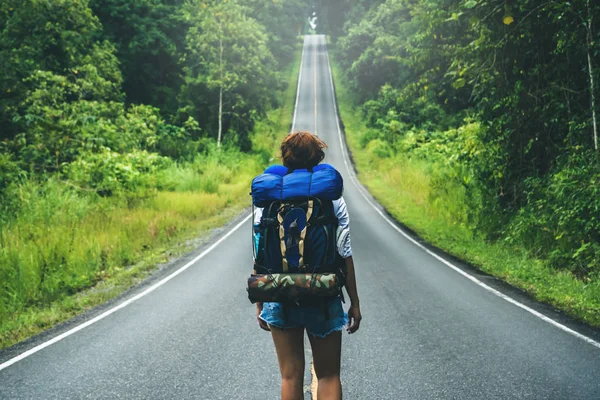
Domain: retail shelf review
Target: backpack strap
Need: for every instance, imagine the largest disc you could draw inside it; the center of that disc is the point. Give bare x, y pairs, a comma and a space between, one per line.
301, 236
309, 212
282, 246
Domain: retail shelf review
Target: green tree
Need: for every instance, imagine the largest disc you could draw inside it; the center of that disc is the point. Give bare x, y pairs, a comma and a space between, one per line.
57, 36
229, 71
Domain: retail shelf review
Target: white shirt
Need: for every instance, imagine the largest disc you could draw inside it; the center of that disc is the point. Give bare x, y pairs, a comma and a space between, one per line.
341, 212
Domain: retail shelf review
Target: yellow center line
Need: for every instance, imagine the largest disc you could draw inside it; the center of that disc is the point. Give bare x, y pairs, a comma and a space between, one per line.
314, 385
315, 88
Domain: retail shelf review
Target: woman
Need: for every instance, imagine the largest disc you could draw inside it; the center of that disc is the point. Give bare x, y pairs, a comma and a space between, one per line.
303, 150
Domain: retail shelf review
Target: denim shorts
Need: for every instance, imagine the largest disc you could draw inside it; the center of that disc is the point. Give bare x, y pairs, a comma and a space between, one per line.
319, 321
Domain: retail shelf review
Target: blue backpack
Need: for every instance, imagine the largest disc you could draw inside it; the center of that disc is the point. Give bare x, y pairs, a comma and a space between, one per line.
297, 231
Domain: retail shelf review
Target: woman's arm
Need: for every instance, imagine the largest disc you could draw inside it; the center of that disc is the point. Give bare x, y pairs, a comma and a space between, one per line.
259, 307
354, 315
345, 250
263, 325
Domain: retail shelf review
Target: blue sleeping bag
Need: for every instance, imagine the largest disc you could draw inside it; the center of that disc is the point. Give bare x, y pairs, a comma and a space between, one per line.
324, 182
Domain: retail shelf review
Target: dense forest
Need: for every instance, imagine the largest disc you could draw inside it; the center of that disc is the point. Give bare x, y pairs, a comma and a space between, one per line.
107, 107
74, 68
499, 98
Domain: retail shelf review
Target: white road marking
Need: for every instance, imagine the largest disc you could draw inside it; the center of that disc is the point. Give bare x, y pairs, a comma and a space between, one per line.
78, 328
314, 385
442, 260
298, 86
315, 87
122, 305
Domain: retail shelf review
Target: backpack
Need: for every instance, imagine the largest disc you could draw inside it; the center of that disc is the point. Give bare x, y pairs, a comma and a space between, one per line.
296, 235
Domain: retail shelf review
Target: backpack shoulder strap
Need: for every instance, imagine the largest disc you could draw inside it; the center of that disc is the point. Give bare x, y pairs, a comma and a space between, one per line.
293, 232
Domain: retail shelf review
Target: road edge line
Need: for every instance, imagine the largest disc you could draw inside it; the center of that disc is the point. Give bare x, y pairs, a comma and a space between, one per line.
105, 314
298, 85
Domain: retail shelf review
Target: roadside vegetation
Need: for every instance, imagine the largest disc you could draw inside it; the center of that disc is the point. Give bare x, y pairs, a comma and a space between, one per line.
127, 134
474, 123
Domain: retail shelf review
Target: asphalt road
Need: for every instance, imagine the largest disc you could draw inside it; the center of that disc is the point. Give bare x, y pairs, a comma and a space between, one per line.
428, 332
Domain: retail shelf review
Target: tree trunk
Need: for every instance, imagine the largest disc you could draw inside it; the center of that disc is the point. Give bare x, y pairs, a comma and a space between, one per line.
593, 102
220, 92
591, 74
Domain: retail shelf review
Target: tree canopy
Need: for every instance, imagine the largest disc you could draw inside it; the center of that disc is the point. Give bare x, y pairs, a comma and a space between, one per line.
526, 71
72, 68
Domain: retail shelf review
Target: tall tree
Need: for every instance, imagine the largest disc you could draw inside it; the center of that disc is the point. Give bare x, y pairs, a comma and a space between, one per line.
227, 60
589, 42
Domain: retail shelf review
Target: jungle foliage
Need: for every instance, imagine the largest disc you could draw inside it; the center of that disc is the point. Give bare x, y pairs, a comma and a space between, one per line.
87, 79
108, 108
500, 98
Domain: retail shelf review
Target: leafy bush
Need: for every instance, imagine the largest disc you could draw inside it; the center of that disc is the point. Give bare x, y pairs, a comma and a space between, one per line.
380, 148
10, 176
58, 38
110, 173
453, 158
561, 220
59, 131
10, 173
64, 116
177, 142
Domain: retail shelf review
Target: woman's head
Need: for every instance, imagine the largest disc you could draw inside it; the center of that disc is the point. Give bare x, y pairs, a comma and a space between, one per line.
302, 150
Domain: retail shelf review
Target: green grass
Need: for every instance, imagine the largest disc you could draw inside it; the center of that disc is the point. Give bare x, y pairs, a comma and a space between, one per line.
404, 186
107, 249
64, 242
68, 251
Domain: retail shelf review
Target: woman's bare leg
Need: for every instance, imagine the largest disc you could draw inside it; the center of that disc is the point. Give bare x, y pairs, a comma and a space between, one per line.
326, 358
289, 345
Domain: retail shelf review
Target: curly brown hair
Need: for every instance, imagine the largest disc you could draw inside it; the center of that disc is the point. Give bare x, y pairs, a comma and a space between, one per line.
302, 150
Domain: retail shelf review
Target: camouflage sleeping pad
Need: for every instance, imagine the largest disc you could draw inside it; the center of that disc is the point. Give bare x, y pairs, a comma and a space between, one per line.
290, 288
